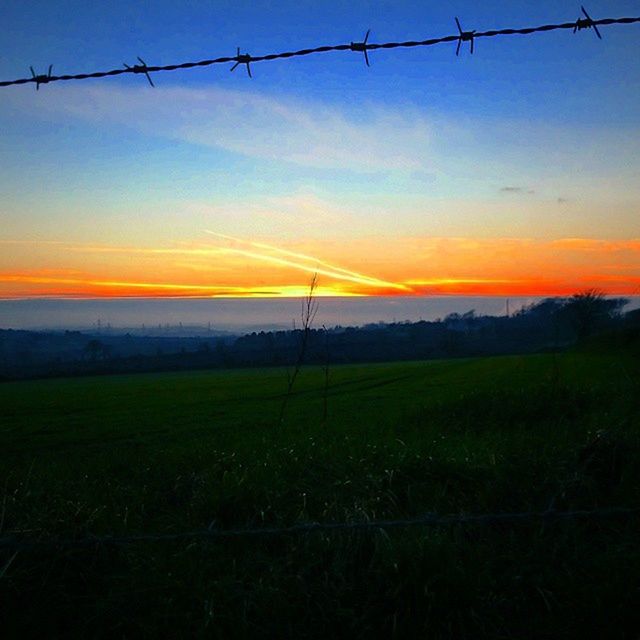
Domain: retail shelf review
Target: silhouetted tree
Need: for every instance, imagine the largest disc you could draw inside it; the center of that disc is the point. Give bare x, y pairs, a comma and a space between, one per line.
94, 348
590, 310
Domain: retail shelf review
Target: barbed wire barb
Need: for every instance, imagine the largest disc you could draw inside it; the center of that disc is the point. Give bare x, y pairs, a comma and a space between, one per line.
243, 58
581, 23
42, 78
362, 46
140, 68
465, 36
586, 23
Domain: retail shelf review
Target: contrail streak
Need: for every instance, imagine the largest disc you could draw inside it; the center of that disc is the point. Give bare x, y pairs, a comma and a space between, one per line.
294, 254
307, 268
336, 273
331, 271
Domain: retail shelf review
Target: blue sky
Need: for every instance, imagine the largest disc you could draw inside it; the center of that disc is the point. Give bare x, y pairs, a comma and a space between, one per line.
76, 36
531, 137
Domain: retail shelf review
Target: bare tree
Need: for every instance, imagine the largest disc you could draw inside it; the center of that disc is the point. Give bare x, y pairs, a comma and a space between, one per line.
307, 316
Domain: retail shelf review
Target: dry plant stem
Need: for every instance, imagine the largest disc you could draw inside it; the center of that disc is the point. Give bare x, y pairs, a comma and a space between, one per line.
307, 316
325, 395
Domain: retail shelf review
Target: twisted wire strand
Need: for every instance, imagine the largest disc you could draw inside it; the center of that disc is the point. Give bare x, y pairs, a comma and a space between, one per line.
360, 47
12, 543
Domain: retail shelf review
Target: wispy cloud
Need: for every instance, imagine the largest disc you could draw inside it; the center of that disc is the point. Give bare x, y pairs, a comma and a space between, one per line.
33, 242
87, 287
286, 214
597, 245
373, 138
526, 190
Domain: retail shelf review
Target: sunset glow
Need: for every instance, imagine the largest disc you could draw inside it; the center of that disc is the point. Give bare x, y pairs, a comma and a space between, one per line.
509, 173
375, 267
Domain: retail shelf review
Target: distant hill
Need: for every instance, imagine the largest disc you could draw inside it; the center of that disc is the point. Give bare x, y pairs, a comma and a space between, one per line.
551, 325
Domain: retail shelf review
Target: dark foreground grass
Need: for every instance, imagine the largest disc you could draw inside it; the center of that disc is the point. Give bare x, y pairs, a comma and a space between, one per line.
174, 452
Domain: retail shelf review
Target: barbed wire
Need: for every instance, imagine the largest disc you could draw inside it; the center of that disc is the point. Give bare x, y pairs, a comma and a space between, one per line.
13, 543
363, 47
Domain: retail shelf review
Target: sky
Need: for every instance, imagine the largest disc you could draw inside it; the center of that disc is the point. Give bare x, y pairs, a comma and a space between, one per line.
512, 172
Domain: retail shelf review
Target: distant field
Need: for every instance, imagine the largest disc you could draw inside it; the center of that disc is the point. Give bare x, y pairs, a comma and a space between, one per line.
173, 452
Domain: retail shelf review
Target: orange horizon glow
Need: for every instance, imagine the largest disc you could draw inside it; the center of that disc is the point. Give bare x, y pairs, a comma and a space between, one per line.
38, 287
498, 267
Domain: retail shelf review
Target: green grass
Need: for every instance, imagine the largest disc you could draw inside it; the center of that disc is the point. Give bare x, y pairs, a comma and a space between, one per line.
173, 452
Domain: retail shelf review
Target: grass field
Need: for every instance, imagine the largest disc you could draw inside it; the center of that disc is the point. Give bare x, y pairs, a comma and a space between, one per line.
173, 452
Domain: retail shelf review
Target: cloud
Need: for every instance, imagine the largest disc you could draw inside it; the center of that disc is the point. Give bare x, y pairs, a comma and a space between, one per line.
517, 190
300, 210
369, 139
35, 285
32, 242
631, 245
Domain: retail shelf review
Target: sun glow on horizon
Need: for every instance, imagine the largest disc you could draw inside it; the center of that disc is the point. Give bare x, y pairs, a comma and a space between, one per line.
376, 267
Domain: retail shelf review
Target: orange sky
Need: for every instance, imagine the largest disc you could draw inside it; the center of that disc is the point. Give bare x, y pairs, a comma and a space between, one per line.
223, 266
